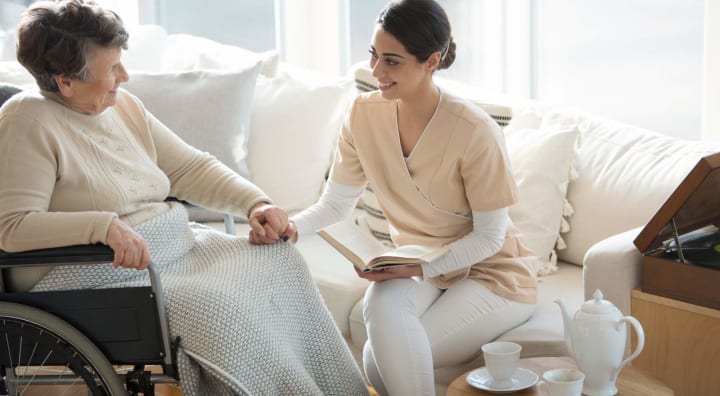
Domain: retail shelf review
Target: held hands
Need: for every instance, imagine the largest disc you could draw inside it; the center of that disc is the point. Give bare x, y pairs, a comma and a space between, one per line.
130, 249
269, 224
400, 271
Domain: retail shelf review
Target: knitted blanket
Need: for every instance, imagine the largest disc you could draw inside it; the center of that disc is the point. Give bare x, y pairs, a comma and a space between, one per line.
250, 318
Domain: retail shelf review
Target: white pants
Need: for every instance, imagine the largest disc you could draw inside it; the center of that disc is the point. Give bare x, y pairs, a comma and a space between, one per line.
413, 326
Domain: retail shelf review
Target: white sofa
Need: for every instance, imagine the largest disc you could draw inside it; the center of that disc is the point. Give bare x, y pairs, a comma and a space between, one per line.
582, 178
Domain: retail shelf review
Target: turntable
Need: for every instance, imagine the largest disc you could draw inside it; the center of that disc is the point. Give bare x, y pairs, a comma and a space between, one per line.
688, 219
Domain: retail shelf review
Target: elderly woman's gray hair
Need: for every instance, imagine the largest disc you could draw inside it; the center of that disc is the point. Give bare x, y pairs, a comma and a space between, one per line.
57, 37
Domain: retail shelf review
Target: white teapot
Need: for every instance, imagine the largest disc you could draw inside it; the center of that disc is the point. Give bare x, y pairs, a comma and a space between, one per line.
596, 338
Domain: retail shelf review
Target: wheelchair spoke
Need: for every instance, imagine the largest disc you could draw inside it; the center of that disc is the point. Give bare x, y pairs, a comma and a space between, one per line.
30, 359
38, 361
7, 342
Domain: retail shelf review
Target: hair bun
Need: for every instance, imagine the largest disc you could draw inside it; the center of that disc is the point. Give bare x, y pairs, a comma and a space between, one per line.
449, 56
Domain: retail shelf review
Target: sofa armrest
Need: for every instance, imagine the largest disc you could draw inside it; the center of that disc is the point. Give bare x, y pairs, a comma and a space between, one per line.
613, 265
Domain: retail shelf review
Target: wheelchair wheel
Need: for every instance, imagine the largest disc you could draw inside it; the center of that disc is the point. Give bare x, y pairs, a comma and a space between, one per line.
42, 354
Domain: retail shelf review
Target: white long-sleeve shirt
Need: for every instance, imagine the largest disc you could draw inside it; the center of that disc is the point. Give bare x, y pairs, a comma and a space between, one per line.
485, 239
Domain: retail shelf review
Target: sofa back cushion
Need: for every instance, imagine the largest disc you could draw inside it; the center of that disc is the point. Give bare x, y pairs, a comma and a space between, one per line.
295, 121
210, 110
624, 175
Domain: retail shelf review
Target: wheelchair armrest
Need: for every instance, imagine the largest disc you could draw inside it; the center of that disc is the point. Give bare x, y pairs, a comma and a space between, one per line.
90, 254
228, 219
96, 253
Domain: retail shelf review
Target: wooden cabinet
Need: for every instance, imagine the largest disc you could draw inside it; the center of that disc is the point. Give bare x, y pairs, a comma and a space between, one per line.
682, 344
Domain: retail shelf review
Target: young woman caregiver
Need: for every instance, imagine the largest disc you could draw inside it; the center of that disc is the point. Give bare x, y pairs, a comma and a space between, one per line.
441, 173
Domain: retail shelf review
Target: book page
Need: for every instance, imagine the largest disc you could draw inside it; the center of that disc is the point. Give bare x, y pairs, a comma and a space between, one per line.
409, 254
352, 242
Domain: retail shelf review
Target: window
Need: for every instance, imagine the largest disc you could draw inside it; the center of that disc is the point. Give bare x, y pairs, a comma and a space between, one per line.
636, 61
10, 11
467, 33
246, 23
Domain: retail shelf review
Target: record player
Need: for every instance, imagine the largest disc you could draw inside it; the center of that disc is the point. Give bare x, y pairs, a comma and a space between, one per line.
681, 243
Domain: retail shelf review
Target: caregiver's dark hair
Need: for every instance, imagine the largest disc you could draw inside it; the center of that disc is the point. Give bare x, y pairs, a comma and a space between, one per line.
422, 27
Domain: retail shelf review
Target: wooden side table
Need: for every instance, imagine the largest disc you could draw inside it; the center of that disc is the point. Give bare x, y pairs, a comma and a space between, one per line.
681, 343
631, 382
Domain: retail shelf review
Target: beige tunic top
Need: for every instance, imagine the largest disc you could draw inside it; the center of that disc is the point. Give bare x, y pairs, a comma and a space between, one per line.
458, 165
65, 175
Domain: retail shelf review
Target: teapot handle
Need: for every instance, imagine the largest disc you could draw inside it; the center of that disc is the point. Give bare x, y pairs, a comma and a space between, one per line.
640, 341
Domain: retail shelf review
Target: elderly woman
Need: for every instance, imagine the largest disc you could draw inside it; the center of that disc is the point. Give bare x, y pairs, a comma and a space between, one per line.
83, 162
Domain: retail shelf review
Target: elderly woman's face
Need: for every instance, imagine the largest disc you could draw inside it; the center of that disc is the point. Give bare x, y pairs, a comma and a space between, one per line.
100, 91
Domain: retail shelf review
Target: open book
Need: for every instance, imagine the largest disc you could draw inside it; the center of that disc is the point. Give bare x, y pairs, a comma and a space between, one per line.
368, 254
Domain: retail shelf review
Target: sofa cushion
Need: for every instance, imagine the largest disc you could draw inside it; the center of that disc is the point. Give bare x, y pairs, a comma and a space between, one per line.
541, 162
624, 175
294, 127
210, 110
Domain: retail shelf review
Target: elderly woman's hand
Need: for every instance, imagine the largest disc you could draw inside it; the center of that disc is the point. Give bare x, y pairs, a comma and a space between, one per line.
269, 224
130, 249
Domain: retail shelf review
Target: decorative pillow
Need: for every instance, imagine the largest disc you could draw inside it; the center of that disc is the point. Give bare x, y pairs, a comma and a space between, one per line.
624, 174
373, 221
184, 52
294, 127
210, 110
541, 161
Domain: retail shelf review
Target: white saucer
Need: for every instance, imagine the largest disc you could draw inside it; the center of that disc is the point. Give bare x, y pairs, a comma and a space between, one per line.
522, 379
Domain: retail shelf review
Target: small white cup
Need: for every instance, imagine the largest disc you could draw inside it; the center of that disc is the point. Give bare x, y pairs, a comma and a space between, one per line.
562, 382
501, 361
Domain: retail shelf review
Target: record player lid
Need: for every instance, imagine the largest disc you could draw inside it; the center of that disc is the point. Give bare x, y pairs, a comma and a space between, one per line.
694, 204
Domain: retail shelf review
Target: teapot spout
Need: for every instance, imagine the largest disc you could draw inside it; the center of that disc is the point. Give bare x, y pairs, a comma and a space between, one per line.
567, 327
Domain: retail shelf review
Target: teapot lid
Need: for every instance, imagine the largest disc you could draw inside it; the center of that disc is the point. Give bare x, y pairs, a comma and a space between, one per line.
597, 305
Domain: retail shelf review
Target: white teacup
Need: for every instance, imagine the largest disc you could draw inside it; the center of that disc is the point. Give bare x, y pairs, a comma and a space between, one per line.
501, 361
562, 382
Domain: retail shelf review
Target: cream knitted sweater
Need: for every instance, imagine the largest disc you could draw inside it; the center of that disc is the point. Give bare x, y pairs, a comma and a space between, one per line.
65, 175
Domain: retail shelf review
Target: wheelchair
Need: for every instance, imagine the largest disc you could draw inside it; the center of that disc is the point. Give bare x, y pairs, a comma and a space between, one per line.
91, 341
